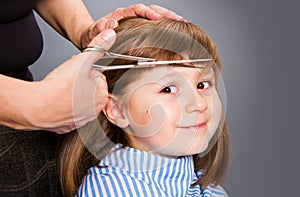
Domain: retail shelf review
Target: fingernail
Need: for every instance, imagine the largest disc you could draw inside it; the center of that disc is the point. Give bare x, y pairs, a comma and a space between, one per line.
111, 24
181, 18
102, 77
108, 35
158, 15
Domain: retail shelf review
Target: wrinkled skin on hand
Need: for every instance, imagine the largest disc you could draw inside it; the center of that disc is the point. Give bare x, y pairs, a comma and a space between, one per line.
110, 21
74, 92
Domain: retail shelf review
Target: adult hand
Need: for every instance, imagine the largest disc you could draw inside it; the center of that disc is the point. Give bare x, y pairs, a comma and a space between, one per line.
110, 21
74, 93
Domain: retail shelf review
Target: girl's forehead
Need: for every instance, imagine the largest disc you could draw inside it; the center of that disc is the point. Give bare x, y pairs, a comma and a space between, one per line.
164, 72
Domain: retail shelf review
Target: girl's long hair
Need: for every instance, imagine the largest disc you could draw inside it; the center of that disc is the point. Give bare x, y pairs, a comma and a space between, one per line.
163, 39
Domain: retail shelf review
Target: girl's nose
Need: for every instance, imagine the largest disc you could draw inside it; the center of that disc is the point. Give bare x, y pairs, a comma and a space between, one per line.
195, 102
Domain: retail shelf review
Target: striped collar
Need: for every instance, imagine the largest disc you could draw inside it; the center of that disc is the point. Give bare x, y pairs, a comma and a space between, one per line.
131, 172
172, 175
134, 160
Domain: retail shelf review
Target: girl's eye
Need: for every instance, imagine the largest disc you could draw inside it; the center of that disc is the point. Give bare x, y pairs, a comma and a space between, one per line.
169, 89
203, 85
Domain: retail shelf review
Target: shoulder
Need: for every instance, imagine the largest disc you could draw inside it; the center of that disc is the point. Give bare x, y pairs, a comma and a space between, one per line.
214, 191
100, 182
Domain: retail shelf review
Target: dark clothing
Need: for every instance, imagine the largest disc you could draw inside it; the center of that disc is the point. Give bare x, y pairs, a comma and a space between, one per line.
20, 37
27, 158
28, 164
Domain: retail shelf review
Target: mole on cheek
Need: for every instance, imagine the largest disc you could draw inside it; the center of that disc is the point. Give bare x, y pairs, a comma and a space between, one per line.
148, 115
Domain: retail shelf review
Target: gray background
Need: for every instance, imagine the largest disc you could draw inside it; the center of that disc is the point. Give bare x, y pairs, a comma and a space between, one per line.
258, 42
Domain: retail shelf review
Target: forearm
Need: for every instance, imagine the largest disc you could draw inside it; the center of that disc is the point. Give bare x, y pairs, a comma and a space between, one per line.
67, 98
68, 17
15, 96
39, 105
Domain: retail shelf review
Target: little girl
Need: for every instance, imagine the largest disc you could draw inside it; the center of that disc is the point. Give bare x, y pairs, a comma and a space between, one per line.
164, 129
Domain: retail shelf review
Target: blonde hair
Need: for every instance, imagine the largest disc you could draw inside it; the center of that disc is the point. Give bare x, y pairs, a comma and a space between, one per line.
163, 39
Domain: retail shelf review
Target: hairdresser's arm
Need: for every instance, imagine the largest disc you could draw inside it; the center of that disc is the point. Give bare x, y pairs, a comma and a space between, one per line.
69, 97
68, 17
23, 104
47, 104
72, 19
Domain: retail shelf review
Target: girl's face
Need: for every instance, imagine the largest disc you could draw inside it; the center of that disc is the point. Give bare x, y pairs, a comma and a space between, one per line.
172, 110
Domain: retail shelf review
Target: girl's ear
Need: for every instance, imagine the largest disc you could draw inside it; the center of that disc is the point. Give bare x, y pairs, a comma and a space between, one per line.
114, 113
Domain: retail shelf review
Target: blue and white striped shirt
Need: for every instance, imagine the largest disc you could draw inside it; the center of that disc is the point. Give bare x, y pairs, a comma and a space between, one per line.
131, 172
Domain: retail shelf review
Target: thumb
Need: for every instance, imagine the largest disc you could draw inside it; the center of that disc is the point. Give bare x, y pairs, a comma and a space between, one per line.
105, 40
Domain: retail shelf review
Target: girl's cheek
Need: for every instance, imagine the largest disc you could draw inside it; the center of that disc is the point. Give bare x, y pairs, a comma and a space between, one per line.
141, 118
149, 122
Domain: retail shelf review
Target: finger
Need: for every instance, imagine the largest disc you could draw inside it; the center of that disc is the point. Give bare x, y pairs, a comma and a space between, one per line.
134, 10
105, 40
104, 23
166, 13
83, 62
144, 11
99, 26
98, 77
111, 24
152, 12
